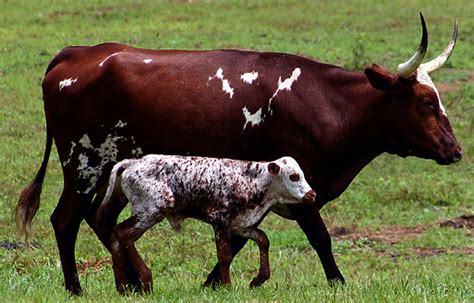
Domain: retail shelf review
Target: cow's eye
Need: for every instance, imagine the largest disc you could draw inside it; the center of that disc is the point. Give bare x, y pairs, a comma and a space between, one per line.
294, 177
429, 103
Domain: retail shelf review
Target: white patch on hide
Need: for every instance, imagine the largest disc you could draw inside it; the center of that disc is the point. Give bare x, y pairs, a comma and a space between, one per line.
284, 85
137, 151
253, 119
147, 61
107, 58
70, 154
258, 117
249, 77
86, 142
66, 83
225, 83
106, 152
121, 124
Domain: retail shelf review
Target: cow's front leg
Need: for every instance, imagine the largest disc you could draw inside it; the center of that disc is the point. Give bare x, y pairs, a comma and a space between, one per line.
310, 221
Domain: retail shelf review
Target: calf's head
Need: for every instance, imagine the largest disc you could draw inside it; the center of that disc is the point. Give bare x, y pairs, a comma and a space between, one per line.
289, 182
416, 121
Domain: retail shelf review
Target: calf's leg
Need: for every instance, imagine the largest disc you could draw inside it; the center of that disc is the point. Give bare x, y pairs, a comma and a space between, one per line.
263, 243
123, 246
236, 244
224, 254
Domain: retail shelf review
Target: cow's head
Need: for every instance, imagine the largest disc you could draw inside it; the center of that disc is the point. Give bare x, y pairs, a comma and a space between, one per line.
289, 182
417, 121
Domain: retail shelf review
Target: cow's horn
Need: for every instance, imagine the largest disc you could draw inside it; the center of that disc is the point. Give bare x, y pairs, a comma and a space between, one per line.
407, 68
439, 61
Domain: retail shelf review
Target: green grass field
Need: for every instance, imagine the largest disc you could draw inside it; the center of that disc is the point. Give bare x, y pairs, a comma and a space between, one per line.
392, 236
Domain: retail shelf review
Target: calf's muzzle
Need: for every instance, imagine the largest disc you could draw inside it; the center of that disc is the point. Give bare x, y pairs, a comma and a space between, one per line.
309, 197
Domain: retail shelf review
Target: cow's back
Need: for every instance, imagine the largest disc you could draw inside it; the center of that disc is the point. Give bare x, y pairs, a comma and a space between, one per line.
109, 102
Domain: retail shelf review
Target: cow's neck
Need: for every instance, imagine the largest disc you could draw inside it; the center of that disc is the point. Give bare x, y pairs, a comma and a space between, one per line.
359, 134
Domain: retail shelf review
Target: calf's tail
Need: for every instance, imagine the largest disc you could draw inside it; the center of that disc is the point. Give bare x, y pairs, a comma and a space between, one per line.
29, 200
116, 172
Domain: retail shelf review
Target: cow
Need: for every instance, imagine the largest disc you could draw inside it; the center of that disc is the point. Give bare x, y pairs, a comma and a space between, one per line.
231, 195
111, 102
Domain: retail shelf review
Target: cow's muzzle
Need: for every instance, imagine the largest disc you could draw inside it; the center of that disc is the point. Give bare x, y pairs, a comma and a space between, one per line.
309, 197
452, 157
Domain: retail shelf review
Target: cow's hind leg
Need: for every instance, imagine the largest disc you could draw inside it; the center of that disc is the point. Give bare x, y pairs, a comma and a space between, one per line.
263, 243
66, 219
104, 228
123, 245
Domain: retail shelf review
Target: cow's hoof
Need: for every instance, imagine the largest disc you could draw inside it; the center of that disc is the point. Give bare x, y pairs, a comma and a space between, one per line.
337, 281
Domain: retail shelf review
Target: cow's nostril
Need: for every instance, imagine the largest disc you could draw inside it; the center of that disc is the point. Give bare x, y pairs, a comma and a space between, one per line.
457, 154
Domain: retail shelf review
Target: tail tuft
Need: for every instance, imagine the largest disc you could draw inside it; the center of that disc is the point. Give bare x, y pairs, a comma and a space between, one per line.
29, 200
28, 205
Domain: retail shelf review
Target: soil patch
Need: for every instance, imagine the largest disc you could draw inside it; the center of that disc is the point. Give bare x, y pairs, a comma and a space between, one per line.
396, 233
391, 234
93, 265
465, 221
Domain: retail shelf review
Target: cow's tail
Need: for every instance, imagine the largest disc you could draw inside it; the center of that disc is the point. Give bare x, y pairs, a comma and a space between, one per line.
113, 187
29, 200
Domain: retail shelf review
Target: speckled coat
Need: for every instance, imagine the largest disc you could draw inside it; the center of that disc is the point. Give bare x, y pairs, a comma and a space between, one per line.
231, 195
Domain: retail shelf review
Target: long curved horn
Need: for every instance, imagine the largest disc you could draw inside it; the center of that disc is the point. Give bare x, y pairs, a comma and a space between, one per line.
407, 68
439, 61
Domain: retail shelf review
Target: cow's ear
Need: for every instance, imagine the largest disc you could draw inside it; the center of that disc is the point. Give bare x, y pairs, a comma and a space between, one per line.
379, 78
273, 168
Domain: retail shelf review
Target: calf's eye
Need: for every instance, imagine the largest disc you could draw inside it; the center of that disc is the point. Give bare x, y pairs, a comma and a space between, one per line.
294, 177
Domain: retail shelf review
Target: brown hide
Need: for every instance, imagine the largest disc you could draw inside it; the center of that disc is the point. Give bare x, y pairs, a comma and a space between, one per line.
172, 106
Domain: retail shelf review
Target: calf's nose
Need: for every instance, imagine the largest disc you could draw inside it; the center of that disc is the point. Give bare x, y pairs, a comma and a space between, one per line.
309, 197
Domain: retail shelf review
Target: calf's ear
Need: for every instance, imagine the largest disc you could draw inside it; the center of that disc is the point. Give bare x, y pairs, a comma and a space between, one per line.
273, 168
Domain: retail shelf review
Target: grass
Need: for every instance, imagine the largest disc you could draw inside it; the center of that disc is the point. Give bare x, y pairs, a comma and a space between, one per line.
405, 192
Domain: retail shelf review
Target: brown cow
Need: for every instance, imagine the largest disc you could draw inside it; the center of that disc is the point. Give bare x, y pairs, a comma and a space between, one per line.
110, 102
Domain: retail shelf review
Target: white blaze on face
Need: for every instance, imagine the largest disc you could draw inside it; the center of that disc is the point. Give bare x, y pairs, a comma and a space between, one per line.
147, 61
66, 83
225, 83
249, 77
253, 119
423, 78
285, 85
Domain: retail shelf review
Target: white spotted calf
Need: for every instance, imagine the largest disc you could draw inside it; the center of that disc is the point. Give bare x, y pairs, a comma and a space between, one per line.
231, 195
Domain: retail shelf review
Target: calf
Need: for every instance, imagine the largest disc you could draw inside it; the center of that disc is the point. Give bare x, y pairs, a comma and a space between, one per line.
231, 195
